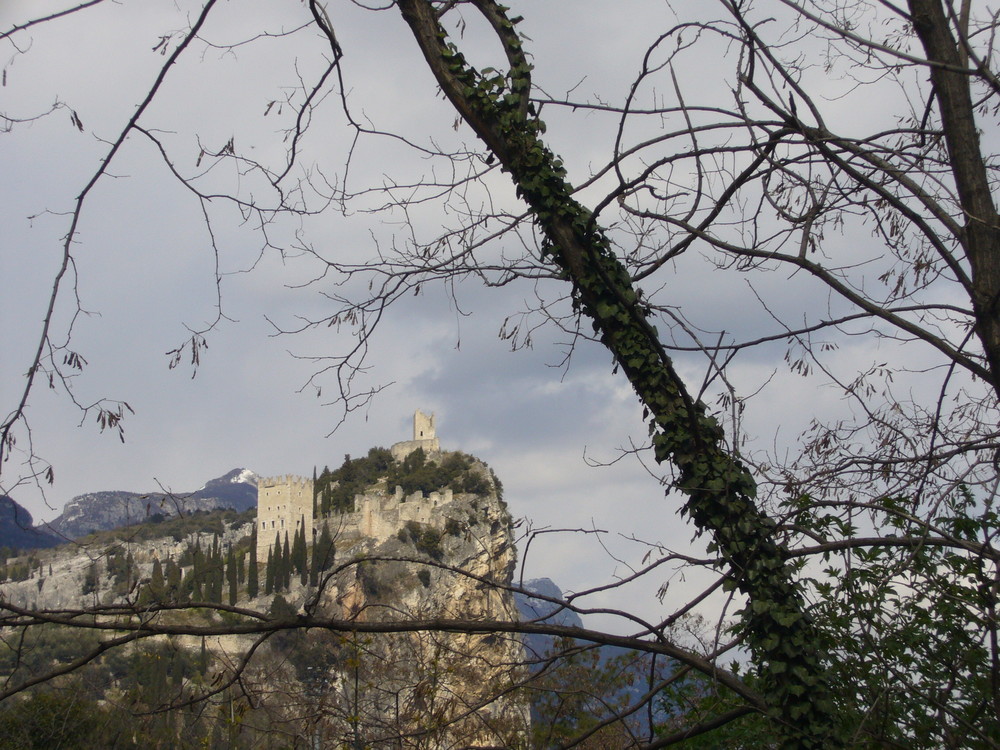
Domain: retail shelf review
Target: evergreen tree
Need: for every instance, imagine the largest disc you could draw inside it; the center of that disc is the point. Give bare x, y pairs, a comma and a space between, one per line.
252, 574
173, 574
269, 573
299, 557
231, 576
157, 584
323, 552
218, 575
286, 565
131, 573
90, 579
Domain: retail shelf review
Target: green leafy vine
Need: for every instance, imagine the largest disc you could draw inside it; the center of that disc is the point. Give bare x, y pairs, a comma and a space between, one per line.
785, 641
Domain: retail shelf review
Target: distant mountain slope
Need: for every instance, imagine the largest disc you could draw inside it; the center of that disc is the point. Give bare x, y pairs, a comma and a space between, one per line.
533, 609
17, 529
99, 511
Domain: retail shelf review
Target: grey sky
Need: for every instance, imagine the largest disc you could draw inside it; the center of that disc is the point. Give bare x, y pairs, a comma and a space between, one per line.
146, 271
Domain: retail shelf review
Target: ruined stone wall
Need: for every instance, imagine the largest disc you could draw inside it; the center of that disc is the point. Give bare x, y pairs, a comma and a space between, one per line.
380, 516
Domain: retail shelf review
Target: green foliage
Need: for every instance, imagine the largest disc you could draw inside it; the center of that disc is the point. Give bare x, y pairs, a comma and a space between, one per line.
173, 576
280, 609
457, 471
26, 652
232, 578
425, 538
269, 571
253, 582
178, 527
335, 490
19, 570
91, 578
286, 566
156, 589
323, 554
65, 719
913, 621
299, 555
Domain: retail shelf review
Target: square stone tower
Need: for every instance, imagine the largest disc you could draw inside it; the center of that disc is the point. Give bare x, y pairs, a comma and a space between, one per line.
424, 437
283, 505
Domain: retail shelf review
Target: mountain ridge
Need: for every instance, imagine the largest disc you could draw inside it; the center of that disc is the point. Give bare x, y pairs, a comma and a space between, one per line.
18, 530
111, 509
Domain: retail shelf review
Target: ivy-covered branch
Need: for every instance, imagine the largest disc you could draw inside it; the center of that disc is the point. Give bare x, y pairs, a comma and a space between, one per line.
721, 492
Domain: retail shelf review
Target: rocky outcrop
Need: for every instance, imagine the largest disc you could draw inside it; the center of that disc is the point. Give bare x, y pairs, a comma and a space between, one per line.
440, 555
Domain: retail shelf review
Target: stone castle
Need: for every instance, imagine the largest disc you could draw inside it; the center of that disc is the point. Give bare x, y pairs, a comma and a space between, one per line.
286, 503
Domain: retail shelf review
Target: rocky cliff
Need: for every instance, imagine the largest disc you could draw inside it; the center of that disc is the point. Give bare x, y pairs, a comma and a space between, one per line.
380, 564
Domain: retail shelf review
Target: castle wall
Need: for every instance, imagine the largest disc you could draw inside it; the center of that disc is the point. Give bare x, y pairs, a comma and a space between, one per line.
402, 450
382, 516
283, 505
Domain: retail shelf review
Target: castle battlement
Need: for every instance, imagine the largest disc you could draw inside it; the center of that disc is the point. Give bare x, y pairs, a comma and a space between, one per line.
289, 479
286, 503
381, 516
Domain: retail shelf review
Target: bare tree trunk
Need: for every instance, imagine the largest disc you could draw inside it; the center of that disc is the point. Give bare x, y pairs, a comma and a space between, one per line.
981, 241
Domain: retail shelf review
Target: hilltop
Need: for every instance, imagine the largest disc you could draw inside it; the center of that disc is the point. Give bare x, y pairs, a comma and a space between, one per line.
433, 550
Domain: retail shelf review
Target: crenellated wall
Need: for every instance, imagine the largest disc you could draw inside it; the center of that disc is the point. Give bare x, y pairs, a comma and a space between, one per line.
380, 516
286, 502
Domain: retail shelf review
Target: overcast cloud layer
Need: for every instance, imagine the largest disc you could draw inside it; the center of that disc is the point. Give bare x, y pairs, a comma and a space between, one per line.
146, 273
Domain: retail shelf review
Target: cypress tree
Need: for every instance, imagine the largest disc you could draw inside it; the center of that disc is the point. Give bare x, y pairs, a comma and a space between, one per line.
323, 552
299, 554
157, 584
252, 575
173, 580
286, 564
218, 577
269, 573
203, 661
231, 576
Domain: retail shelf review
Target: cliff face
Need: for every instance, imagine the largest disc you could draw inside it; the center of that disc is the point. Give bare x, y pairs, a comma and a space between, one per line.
452, 689
443, 555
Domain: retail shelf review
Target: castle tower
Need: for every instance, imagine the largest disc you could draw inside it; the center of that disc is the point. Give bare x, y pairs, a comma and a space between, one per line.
424, 436
283, 505
423, 426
